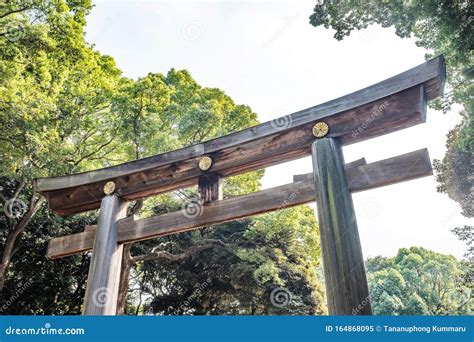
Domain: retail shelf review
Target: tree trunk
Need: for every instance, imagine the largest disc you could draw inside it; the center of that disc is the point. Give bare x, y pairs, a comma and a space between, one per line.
15, 233
127, 263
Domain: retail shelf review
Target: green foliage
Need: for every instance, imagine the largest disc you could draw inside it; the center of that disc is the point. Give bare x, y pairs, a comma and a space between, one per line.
416, 281
454, 172
36, 285
65, 108
54, 88
253, 258
442, 27
466, 234
419, 282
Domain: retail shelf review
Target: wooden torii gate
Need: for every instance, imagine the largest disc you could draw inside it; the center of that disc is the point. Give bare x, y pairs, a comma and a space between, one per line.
393, 104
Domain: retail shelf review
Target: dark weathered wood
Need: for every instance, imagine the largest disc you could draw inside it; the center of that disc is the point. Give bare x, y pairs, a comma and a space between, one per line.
343, 263
354, 163
397, 111
363, 176
210, 188
415, 164
104, 270
430, 74
127, 263
389, 171
393, 104
307, 176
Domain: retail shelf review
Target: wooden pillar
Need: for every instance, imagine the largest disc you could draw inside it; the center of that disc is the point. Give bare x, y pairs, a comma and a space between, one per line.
126, 266
104, 270
210, 188
345, 278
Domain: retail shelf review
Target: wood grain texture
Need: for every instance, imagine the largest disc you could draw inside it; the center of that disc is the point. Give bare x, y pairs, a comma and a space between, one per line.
210, 188
431, 74
104, 270
307, 176
344, 273
363, 177
382, 116
389, 171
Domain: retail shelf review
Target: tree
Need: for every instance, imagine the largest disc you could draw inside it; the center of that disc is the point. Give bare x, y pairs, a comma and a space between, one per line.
207, 271
466, 234
418, 281
65, 108
36, 285
442, 27
454, 172
53, 90
263, 265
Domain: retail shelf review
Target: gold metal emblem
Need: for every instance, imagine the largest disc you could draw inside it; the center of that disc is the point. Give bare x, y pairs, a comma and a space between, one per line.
205, 163
109, 188
320, 129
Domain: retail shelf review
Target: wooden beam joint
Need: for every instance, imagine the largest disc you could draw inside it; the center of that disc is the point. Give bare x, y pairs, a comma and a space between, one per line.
360, 177
210, 188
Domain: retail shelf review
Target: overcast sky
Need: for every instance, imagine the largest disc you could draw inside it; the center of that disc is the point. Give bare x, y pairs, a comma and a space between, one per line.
266, 55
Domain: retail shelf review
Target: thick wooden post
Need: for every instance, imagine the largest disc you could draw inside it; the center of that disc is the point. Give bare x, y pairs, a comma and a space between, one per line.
126, 266
346, 282
104, 270
210, 188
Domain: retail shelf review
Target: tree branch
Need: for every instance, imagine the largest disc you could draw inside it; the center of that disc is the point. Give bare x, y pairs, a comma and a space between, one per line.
19, 188
17, 230
165, 255
13, 12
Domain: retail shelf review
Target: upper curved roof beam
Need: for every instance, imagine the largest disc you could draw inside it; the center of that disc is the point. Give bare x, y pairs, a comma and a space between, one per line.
393, 104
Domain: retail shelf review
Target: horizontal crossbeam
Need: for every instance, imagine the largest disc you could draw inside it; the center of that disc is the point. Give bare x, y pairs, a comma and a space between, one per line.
360, 176
396, 103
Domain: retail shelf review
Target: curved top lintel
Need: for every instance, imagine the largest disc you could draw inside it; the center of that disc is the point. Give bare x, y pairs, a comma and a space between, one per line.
431, 74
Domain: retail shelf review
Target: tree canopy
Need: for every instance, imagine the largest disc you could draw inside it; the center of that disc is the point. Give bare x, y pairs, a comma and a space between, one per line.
66, 108
442, 27
234, 268
418, 281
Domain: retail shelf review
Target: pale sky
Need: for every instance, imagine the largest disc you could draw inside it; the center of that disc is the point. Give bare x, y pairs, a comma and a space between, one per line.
266, 55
